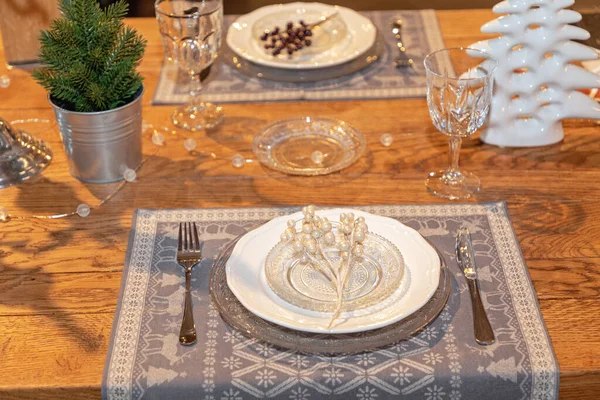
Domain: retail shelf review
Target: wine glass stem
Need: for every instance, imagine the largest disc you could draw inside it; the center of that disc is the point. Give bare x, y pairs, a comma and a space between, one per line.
455, 142
195, 89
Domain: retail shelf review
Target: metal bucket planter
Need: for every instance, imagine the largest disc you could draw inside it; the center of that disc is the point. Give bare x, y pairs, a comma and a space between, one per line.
100, 145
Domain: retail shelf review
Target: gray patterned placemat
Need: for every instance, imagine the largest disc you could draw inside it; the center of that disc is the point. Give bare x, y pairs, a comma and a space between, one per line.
442, 362
421, 34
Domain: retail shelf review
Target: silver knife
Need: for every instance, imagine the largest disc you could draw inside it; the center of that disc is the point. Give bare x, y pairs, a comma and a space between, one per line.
466, 261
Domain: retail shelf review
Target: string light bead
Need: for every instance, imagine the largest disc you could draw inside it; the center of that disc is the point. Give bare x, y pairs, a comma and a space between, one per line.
83, 210
386, 139
4, 216
4, 81
129, 175
189, 144
317, 157
238, 161
158, 138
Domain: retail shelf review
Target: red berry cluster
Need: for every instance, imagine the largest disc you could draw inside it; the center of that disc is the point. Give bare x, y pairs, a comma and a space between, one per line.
292, 39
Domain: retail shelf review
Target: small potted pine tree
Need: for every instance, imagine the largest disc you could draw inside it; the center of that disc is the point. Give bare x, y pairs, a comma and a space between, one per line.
89, 63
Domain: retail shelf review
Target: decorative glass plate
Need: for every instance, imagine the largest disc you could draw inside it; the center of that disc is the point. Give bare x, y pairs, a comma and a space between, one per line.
238, 317
350, 34
247, 280
309, 146
375, 276
327, 77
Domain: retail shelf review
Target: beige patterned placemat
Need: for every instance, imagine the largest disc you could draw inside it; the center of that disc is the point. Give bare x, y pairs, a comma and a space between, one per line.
381, 80
442, 362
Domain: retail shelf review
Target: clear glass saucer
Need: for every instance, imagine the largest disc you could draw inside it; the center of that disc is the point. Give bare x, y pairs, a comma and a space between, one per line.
374, 276
247, 323
309, 146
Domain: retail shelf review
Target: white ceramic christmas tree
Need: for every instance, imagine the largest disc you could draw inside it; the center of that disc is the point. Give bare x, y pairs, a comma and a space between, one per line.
535, 84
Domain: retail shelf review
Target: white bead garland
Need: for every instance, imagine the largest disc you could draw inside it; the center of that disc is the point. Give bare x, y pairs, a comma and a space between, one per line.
189, 144
4, 81
317, 157
129, 175
158, 138
4, 216
386, 139
238, 161
83, 210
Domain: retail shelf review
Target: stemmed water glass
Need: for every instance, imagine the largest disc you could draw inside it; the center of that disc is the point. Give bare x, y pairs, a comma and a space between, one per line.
191, 33
459, 91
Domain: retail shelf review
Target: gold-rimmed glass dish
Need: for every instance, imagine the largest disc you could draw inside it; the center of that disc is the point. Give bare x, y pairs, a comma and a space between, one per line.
309, 145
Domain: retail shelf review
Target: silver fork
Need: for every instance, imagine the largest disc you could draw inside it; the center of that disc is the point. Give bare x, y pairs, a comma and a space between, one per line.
403, 59
189, 254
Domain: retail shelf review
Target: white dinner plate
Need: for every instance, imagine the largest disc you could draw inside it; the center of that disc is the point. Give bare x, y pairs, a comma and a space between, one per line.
246, 278
344, 38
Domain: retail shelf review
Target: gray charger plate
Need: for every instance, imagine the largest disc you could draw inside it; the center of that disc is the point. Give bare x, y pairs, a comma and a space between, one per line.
250, 325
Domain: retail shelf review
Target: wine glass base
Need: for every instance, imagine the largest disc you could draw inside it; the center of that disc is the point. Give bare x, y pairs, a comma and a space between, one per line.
197, 117
453, 185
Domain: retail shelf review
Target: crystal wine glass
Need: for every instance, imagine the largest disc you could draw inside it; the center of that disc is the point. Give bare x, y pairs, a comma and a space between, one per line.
191, 33
459, 91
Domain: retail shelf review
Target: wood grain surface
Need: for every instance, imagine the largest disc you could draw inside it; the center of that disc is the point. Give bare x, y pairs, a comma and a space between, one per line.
20, 24
59, 279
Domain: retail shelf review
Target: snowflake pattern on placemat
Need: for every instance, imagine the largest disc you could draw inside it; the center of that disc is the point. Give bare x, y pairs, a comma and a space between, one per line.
443, 361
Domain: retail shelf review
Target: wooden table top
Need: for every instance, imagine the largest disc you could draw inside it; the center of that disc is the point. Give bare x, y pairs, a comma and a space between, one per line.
60, 279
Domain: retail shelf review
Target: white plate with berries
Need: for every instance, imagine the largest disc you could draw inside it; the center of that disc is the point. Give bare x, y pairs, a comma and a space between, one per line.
301, 36
246, 277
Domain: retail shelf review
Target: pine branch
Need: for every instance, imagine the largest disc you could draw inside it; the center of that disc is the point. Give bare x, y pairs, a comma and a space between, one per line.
89, 57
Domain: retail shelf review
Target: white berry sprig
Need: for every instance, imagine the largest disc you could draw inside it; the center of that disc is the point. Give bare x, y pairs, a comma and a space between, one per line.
317, 238
350, 245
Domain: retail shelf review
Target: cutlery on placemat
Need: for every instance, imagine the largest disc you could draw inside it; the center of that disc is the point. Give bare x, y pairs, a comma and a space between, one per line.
466, 261
403, 59
189, 254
